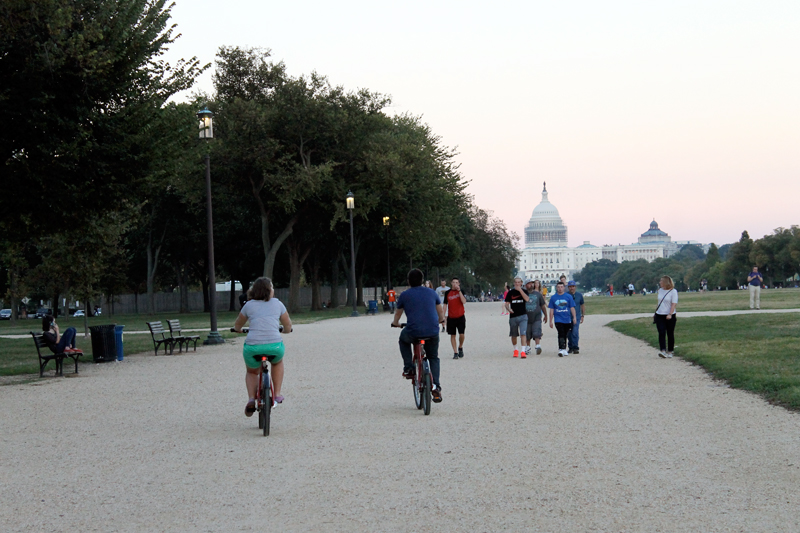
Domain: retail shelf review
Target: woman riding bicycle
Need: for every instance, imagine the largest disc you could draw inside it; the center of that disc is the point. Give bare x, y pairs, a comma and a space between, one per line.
266, 314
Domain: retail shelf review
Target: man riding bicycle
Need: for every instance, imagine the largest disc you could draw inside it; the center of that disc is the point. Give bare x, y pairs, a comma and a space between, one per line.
424, 313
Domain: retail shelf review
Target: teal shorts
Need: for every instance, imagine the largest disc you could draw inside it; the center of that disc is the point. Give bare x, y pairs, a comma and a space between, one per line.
252, 353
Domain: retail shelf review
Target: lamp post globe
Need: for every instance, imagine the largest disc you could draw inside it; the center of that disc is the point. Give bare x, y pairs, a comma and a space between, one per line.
388, 263
206, 133
351, 204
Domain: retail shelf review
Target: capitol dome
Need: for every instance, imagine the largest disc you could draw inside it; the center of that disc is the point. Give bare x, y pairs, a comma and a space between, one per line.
545, 228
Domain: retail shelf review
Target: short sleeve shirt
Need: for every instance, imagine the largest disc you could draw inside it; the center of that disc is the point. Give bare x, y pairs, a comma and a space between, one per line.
578, 299
419, 304
392, 295
561, 305
756, 281
455, 307
534, 306
514, 297
669, 297
264, 320
440, 292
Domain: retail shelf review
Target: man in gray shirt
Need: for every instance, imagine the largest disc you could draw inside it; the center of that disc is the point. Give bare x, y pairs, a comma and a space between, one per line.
440, 292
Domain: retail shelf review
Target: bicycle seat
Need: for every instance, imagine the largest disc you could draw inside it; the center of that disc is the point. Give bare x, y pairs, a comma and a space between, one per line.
426, 339
269, 358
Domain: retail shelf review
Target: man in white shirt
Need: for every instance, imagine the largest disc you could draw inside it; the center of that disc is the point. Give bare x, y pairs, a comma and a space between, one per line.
631, 289
440, 291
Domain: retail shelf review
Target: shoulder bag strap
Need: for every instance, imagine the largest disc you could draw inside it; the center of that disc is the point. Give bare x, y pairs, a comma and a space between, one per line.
662, 299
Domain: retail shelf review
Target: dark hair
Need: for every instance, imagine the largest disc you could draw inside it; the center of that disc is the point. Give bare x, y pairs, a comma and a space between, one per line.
455, 279
47, 322
260, 290
560, 283
415, 277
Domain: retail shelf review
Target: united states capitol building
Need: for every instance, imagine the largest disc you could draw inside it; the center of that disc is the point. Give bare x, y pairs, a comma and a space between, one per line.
547, 257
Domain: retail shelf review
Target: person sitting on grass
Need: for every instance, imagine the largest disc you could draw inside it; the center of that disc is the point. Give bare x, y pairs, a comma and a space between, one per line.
55, 341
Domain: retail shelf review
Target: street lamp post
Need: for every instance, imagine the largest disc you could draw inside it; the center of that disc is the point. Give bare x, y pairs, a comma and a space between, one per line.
388, 266
206, 124
351, 203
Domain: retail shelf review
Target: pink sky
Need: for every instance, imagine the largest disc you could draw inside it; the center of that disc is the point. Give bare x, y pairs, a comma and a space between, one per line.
684, 112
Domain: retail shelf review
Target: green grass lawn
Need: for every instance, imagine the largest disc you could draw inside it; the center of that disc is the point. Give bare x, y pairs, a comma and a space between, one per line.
694, 301
757, 353
18, 356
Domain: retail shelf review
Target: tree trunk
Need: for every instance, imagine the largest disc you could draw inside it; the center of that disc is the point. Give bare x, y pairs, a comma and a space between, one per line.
13, 284
316, 293
270, 248
350, 291
232, 296
297, 257
86, 317
335, 282
245, 288
360, 281
56, 307
153, 250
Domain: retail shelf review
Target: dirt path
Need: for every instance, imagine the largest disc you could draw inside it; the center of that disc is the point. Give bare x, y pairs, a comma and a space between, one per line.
614, 439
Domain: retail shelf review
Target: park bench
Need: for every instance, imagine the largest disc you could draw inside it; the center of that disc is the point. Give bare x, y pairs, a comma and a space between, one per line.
38, 340
175, 332
160, 337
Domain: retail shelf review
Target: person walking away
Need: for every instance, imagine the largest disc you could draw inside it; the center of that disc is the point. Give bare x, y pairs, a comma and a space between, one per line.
580, 310
536, 308
515, 302
755, 280
562, 316
503, 299
440, 290
454, 301
631, 289
665, 317
266, 314
391, 295
53, 338
424, 313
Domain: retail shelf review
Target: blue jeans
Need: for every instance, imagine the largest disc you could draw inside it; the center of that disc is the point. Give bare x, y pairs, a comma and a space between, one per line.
574, 335
67, 340
431, 351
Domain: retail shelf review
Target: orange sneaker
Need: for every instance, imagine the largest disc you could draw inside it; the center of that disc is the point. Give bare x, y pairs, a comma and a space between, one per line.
516, 353
523, 354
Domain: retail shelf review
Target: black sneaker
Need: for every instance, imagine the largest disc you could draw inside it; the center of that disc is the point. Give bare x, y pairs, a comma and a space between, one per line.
576, 351
570, 351
461, 352
455, 356
408, 373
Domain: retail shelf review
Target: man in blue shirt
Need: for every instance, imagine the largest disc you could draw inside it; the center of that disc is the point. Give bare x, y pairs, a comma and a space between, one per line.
574, 335
562, 315
424, 313
755, 280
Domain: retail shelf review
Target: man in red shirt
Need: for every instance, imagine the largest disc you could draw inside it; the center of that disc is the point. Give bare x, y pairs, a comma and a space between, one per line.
454, 301
392, 297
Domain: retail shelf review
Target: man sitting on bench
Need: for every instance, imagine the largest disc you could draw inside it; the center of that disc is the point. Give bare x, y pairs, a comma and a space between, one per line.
55, 341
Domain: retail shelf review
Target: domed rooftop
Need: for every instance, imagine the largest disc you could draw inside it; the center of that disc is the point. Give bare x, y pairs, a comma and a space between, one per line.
654, 234
545, 228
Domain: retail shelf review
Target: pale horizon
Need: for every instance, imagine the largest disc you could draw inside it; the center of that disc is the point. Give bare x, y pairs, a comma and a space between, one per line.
687, 113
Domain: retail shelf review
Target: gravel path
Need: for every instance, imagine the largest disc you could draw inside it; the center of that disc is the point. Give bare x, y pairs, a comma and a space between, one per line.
614, 439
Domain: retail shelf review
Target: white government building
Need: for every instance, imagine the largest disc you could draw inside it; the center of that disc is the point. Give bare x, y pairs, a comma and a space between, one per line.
547, 257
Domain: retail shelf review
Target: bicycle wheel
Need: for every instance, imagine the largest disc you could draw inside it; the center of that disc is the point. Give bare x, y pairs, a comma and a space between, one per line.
266, 397
417, 395
426, 393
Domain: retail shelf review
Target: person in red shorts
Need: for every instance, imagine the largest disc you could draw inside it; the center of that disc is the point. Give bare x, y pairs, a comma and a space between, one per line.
454, 301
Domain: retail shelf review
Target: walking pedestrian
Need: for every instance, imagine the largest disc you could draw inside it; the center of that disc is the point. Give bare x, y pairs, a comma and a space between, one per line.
631, 289
391, 295
665, 317
503, 298
440, 290
453, 302
562, 316
580, 309
755, 280
514, 303
536, 308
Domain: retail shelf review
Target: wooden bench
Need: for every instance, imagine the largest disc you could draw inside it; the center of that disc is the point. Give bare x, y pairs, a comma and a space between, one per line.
175, 332
38, 340
160, 337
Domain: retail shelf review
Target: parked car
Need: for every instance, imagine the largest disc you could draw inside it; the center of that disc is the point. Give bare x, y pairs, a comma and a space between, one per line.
43, 312
5, 314
79, 312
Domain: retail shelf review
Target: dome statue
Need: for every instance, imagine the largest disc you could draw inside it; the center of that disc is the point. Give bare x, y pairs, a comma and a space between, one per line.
545, 228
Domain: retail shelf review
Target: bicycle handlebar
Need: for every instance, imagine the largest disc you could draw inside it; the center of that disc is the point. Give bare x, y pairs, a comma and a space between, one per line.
247, 330
401, 326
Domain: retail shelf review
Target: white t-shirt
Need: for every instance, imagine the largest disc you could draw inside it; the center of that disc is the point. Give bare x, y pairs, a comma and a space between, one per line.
670, 297
631, 287
264, 320
440, 292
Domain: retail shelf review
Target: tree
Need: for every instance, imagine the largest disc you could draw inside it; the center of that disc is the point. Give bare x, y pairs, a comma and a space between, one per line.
597, 273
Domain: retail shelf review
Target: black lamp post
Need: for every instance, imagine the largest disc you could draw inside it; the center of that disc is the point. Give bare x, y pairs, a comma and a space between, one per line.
206, 124
388, 266
351, 203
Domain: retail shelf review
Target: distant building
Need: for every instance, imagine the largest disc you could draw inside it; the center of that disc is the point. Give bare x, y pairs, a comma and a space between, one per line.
547, 257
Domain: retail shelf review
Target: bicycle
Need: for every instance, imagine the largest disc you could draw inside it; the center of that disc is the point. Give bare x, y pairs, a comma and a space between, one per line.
422, 380
265, 393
